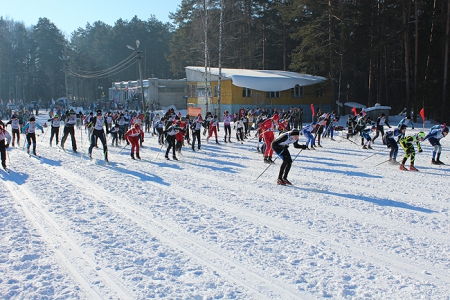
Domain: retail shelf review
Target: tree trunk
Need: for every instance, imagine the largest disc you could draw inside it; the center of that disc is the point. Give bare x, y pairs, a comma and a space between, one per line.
444, 84
416, 57
406, 14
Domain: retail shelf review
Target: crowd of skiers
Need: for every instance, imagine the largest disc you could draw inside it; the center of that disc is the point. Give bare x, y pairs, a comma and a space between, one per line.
175, 131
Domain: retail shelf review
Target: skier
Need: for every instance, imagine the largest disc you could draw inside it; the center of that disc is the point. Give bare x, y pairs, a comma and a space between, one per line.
381, 121
54, 132
280, 145
122, 126
15, 128
5, 138
227, 126
239, 127
30, 130
350, 126
267, 127
133, 136
87, 120
406, 121
156, 120
307, 133
408, 146
438, 126
213, 128
69, 128
114, 133
321, 122
171, 132
361, 124
391, 142
434, 137
159, 127
96, 127
197, 126
179, 137
366, 134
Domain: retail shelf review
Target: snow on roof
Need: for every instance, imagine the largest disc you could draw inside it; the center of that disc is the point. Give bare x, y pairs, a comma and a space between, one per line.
377, 107
354, 104
261, 80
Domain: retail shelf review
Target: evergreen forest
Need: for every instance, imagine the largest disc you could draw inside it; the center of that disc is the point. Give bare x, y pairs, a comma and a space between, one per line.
394, 53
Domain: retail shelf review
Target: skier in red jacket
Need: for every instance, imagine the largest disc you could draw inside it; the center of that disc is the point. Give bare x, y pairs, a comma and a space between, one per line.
267, 127
132, 136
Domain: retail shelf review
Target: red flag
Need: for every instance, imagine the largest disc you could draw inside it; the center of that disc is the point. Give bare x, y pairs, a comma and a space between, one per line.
422, 114
312, 109
354, 111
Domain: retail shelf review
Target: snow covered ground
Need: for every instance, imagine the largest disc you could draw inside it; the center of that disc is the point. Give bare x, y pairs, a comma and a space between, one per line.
204, 228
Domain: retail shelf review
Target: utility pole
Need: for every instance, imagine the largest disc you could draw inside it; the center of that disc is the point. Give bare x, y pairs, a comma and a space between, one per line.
206, 52
219, 82
139, 58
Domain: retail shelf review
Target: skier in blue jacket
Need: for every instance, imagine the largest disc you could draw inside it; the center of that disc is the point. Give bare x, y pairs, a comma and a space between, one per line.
391, 142
30, 130
434, 137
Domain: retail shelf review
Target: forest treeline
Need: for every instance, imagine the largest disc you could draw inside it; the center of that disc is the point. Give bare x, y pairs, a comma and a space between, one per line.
371, 51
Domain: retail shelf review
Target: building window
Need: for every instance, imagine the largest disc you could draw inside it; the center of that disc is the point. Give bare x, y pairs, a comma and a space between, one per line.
319, 92
201, 92
246, 92
192, 90
216, 90
298, 92
273, 94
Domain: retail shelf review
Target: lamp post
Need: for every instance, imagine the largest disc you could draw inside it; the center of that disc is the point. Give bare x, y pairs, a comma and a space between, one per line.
138, 57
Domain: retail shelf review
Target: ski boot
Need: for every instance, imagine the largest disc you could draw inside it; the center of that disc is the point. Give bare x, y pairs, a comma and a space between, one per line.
132, 155
281, 182
287, 181
402, 167
412, 168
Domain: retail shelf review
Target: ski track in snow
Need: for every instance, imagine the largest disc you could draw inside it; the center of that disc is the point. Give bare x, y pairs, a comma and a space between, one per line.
202, 227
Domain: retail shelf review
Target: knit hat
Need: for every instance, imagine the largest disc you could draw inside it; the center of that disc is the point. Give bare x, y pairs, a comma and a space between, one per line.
295, 132
32, 119
13, 117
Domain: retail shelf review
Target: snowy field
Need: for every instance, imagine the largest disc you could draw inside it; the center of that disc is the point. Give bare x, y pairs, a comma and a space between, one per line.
204, 228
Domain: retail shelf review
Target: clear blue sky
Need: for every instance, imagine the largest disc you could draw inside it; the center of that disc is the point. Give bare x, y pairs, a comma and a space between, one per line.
68, 15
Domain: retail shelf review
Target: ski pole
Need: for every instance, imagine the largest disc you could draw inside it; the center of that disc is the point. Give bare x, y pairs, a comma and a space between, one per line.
348, 140
376, 152
122, 148
159, 151
266, 168
369, 156
382, 162
42, 139
297, 155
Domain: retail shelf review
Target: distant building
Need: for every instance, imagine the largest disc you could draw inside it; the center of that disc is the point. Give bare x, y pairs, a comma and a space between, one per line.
157, 93
255, 88
373, 112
